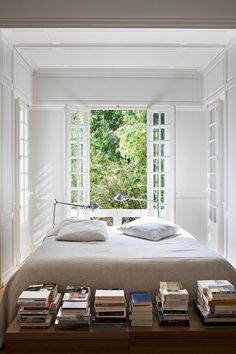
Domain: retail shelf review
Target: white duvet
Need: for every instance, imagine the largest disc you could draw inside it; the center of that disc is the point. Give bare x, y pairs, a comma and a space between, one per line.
119, 262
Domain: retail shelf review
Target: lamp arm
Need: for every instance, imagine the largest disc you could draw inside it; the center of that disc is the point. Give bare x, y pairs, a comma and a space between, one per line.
65, 203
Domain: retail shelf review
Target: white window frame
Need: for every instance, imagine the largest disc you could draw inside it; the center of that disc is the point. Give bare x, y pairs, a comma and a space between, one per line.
22, 195
216, 191
83, 157
117, 214
169, 204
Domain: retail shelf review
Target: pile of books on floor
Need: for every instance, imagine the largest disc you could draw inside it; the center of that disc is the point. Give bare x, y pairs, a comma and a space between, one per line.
141, 309
110, 308
216, 302
75, 309
37, 305
172, 304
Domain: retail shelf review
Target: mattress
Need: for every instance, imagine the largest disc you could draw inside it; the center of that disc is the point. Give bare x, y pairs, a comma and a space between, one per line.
121, 261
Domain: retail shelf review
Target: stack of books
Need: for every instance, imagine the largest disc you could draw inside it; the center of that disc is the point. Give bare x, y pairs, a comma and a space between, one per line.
172, 304
36, 305
75, 309
54, 298
216, 302
141, 309
110, 308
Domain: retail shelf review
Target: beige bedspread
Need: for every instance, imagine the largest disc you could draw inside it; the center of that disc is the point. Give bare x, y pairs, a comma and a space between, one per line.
119, 262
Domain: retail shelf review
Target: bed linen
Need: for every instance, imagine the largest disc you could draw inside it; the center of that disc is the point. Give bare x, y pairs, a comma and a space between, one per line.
120, 262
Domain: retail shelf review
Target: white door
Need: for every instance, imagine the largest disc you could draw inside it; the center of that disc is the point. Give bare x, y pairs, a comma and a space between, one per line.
22, 182
161, 162
215, 176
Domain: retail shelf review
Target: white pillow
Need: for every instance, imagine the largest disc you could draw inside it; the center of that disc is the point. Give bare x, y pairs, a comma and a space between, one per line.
150, 228
83, 230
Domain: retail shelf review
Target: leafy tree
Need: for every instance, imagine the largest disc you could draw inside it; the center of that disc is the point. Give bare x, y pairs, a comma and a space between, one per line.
118, 157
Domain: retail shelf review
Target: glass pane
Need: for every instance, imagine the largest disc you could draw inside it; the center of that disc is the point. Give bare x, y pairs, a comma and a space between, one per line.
163, 118
73, 165
80, 180
155, 195
81, 118
81, 150
25, 131
162, 211
73, 133
81, 133
73, 149
74, 118
81, 166
73, 181
162, 165
213, 165
26, 148
155, 165
162, 133
155, 118
74, 196
81, 197
155, 181
162, 180
155, 134
155, 150
162, 196
21, 152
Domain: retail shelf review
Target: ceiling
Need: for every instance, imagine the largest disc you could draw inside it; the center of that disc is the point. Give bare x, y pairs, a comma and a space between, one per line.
179, 49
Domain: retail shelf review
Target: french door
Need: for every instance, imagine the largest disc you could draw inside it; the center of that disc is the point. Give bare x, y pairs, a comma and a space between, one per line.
22, 182
215, 175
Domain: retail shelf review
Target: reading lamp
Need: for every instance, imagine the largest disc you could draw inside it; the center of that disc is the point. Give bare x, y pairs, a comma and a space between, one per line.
123, 198
92, 206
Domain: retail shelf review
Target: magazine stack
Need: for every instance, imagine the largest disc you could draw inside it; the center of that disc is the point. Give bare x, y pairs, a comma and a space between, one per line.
141, 309
172, 304
216, 302
54, 298
75, 309
110, 308
35, 305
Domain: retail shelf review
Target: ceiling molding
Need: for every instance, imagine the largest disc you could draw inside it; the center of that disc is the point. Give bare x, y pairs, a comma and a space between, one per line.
76, 22
118, 72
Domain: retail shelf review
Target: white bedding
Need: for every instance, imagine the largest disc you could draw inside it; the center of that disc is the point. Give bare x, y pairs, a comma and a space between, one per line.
119, 262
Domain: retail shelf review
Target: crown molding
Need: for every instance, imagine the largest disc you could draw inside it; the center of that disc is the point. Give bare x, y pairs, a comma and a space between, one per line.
76, 22
118, 72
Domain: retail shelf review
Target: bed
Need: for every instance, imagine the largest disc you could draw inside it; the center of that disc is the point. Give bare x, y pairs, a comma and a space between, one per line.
119, 262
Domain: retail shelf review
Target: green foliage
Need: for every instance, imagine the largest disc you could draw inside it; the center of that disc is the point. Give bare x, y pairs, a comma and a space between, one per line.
118, 157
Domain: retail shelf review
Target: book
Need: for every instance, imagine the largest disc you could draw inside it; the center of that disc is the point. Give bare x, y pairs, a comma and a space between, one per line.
113, 295
171, 286
216, 289
213, 320
45, 324
141, 298
35, 287
163, 321
52, 288
76, 293
74, 306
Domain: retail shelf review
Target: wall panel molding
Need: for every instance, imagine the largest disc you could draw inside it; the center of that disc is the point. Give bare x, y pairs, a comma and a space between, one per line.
117, 90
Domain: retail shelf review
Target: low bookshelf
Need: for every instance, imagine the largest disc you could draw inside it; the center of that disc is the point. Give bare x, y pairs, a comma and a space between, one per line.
195, 339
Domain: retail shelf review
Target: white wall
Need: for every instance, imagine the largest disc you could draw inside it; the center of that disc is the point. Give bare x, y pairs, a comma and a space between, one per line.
191, 169
123, 13
118, 88
15, 81
47, 167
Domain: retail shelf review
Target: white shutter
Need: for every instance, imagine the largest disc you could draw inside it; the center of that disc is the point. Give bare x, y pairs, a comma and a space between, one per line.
78, 189
161, 162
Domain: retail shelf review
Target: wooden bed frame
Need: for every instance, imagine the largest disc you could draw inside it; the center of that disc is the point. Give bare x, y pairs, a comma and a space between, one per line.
195, 339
